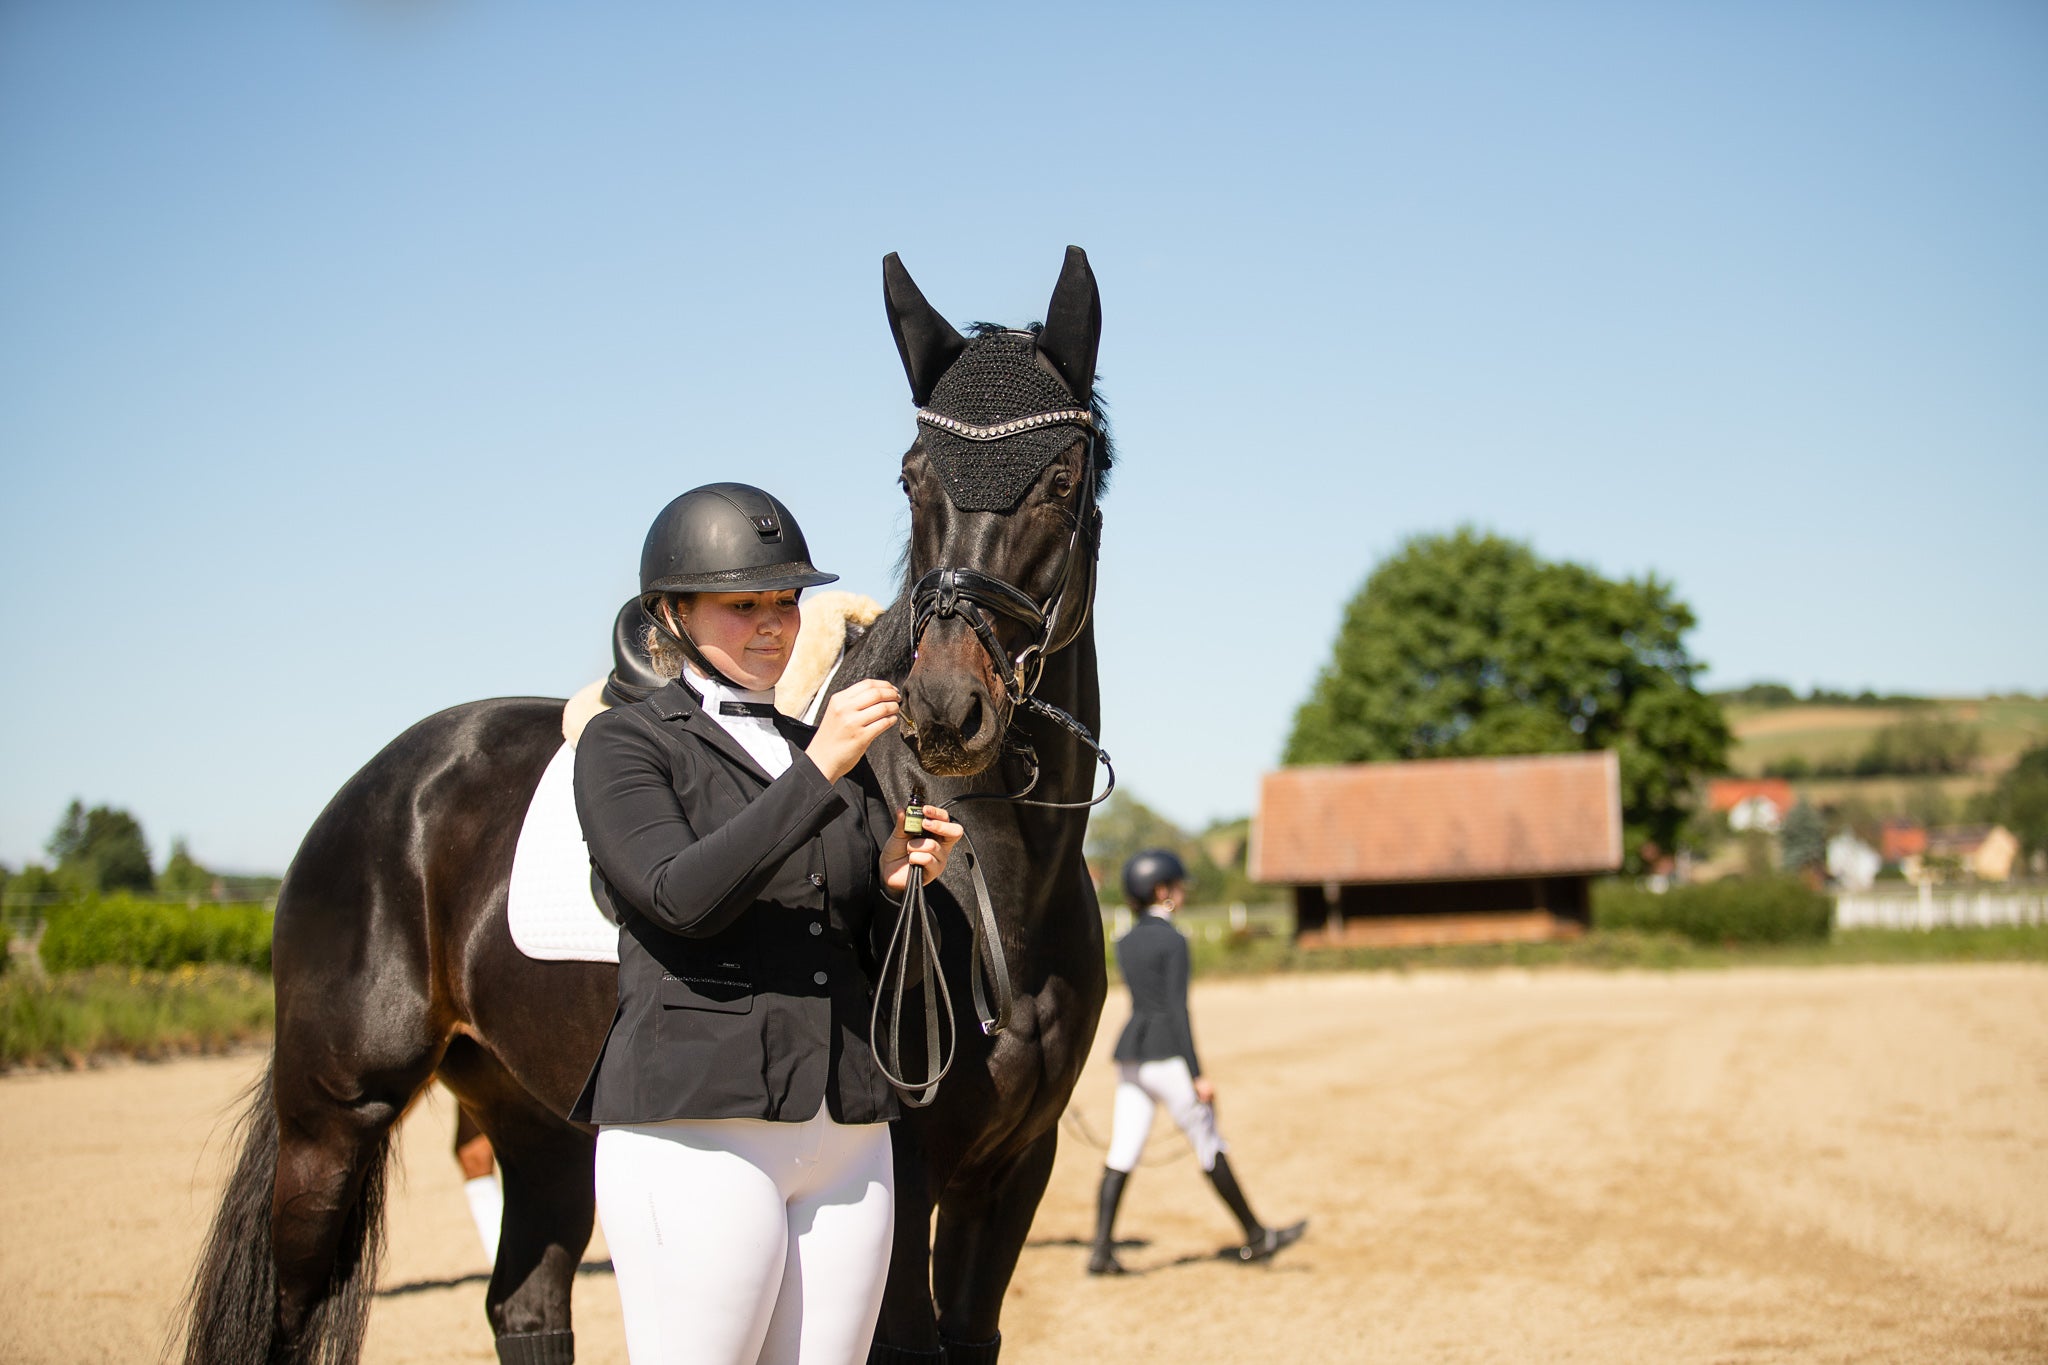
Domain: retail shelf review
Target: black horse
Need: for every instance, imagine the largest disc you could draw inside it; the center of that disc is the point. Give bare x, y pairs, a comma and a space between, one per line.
394, 964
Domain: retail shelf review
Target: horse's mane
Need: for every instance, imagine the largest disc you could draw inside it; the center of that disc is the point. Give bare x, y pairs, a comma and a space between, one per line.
883, 649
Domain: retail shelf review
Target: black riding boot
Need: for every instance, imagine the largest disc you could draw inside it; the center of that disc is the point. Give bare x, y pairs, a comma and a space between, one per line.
1102, 1257
1260, 1241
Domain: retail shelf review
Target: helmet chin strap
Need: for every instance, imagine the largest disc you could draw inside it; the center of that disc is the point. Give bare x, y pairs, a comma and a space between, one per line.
677, 632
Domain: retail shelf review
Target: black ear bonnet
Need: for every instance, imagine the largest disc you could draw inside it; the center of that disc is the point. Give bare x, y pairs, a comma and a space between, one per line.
996, 419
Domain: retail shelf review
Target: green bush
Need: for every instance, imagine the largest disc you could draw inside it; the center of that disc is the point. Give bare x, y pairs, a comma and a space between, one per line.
71, 1018
128, 931
1737, 910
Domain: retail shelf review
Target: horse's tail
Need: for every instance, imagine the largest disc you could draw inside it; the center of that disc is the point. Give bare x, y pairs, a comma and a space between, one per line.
232, 1305
231, 1308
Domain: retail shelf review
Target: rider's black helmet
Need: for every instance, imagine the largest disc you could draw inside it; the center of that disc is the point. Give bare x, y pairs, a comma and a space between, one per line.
1146, 872
726, 537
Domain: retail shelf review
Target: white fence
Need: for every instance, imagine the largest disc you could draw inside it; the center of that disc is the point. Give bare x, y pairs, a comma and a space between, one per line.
1928, 908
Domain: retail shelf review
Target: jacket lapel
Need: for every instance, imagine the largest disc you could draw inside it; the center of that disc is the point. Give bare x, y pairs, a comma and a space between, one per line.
678, 705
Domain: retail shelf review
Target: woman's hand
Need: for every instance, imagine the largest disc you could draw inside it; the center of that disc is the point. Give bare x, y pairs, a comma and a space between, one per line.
853, 719
929, 850
1205, 1090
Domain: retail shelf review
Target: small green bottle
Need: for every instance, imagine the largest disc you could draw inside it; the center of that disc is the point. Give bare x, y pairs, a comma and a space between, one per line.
913, 816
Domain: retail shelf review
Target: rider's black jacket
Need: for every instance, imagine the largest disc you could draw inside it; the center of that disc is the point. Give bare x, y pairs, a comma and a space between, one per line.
747, 911
1154, 961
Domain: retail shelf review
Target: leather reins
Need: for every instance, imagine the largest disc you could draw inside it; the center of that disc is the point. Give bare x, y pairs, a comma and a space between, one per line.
913, 952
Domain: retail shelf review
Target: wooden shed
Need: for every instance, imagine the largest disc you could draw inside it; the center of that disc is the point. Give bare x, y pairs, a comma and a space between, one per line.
1440, 850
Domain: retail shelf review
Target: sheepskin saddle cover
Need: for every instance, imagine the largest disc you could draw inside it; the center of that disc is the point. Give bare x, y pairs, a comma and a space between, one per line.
553, 914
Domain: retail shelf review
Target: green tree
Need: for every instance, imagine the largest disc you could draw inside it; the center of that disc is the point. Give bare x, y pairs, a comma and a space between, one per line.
1469, 644
2020, 800
1922, 745
101, 849
1804, 838
182, 876
31, 888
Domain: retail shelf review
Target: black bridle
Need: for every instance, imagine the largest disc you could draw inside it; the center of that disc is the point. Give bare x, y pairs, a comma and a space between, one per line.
977, 598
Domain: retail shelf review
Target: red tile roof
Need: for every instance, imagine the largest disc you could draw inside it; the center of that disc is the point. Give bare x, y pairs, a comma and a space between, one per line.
1902, 839
1726, 793
1451, 819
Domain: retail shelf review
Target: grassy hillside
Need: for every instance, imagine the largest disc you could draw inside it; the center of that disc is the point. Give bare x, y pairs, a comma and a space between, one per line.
1835, 735
1819, 734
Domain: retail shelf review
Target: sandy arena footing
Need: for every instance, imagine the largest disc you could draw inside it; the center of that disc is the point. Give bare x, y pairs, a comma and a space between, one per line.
1839, 1164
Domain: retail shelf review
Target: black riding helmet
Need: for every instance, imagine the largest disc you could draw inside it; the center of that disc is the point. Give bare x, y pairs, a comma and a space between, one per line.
723, 537
726, 537
1146, 872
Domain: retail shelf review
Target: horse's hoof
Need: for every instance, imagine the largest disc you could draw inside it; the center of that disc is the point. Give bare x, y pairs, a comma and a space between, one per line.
1105, 1263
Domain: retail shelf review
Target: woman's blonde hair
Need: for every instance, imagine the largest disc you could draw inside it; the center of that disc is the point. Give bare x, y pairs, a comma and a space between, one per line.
662, 650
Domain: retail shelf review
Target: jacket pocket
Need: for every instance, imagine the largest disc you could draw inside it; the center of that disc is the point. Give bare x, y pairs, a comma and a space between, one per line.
719, 994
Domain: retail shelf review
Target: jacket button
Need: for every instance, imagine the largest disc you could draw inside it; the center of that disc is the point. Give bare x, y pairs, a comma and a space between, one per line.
817, 879
819, 977
817, 929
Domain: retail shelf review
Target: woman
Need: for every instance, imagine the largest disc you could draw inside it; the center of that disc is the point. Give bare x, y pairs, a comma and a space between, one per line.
744, 1177
1156, 1064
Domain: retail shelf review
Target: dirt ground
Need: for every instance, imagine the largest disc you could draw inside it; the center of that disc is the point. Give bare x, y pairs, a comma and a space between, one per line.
1845, 1164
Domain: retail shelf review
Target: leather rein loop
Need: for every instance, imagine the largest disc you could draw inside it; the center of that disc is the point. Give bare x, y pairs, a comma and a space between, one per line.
913, 957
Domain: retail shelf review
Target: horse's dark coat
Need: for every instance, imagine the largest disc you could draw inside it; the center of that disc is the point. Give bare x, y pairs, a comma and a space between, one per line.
394, 964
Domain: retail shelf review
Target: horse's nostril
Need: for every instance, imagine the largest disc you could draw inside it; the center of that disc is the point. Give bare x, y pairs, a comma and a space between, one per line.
970, 724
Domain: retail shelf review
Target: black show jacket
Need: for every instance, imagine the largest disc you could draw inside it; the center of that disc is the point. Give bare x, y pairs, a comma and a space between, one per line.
1154, 961
746, 912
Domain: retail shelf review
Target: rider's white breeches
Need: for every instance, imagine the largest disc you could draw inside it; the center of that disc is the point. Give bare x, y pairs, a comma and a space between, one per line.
741, 1240
1142, 1085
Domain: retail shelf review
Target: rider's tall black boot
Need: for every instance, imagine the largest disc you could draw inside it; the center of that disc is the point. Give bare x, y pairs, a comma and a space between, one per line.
1102, 1257
1260, 1241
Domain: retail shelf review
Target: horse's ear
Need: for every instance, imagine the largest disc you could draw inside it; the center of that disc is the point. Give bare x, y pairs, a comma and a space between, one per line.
1073, 325
927, 342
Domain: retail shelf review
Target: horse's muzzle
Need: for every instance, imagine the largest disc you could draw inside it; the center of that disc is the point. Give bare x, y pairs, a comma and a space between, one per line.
953, 707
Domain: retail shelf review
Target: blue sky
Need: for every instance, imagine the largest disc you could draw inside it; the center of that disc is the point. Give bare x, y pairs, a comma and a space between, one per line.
346, 350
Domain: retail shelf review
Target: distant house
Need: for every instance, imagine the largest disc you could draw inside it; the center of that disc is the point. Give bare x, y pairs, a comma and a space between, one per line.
1751, 802
1899, 840
1441, 850
1852, 864
1986, 852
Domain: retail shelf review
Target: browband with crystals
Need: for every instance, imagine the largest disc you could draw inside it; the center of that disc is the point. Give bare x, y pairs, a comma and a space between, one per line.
1079, 417
760, 710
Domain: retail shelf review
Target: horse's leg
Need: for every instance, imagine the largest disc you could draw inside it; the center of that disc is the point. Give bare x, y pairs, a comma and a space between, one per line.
980, 1234
908, 1333
550, 1206
338, 1095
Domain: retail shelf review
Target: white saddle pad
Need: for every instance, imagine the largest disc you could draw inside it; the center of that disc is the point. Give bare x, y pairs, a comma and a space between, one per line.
552, 914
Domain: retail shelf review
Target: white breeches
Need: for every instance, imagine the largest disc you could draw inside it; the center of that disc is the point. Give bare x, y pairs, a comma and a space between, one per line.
1142, 1085
739, 1240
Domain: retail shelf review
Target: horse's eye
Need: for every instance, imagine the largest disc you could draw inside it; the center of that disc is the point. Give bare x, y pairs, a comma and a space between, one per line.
1062, 483
903, 484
